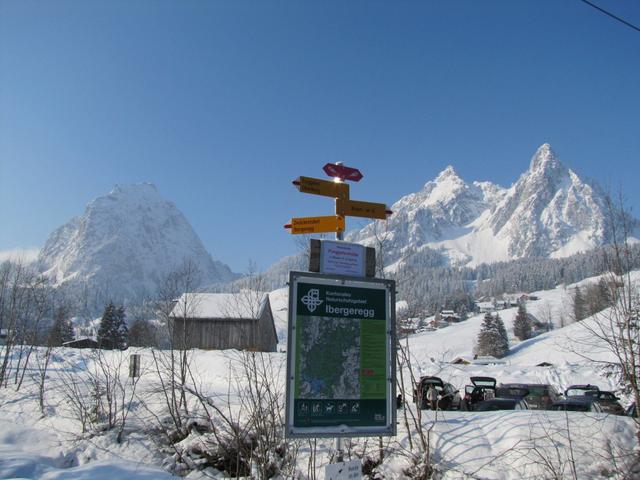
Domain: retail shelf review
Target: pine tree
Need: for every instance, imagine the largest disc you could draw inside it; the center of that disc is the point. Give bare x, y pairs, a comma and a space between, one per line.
492, 337
122, 330
503, 346
579, 306
113, 331
62, 329
521, 324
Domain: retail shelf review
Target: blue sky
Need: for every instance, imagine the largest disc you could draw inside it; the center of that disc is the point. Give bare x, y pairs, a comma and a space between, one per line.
222, 104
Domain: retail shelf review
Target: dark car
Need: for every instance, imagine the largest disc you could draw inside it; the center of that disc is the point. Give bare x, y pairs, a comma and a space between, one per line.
482, 388
501, 404
580, 390
512, 390
607, 400
577, 404
539, 396
448, 396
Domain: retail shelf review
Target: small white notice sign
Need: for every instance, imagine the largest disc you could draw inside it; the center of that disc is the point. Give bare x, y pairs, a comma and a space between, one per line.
350, 470
342, 258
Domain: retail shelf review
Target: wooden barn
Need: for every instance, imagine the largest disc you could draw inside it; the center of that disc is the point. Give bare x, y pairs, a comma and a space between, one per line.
220, 321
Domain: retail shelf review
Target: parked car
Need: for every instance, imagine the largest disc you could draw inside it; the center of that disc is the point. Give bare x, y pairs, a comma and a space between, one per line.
580, 390
607, 400
501, 404
482, 388
577, 404
448, 395
512, 390
538, 396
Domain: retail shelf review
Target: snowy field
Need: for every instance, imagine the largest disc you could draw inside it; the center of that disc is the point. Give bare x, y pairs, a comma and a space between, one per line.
50, 444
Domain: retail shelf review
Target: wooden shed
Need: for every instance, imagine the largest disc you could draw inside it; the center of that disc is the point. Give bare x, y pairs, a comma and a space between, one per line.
220, 321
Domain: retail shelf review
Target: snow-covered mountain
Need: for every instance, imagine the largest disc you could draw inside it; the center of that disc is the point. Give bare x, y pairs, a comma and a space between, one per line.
549, 212
125, 243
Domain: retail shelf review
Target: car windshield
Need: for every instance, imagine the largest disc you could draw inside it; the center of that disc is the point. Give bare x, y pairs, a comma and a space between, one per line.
606, 396
537, 391
483, 381
511, 392
580, 392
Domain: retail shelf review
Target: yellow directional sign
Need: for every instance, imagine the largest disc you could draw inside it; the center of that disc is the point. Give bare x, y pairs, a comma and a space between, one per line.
355, 208
322, 187
302, 225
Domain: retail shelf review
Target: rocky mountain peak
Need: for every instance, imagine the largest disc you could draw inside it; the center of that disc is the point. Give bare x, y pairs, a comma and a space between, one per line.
447, 173
548, 212
545, 162
125, 243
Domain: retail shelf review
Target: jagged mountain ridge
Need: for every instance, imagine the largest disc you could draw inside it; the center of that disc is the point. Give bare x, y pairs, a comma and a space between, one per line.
549, 212
124, 244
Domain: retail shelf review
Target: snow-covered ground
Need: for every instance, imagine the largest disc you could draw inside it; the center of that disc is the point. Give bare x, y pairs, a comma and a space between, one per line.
492, 445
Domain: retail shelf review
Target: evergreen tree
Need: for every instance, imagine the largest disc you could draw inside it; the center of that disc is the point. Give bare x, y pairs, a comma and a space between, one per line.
113, 331
521, 324
504, 338
579, 306
62, 329
122, 330
492, 337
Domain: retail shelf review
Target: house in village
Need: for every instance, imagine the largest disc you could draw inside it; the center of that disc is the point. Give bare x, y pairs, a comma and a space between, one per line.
220, 321
84, 342
450, 316
485, 307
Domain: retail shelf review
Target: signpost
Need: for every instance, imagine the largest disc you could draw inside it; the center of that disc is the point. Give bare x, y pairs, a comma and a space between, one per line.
340, 357
341, 343
302, 225
322, 187
342, 172
355, 208
343, 205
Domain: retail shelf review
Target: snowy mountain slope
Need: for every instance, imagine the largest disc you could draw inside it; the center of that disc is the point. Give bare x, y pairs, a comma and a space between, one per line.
125, 243
549, 212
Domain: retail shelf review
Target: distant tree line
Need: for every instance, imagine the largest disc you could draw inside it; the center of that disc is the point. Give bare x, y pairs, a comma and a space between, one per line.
428, 287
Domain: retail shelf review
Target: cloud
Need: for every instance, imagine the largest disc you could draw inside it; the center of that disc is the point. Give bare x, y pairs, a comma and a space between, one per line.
26, 254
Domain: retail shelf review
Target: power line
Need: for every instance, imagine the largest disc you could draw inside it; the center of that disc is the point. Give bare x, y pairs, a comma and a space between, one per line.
611, 15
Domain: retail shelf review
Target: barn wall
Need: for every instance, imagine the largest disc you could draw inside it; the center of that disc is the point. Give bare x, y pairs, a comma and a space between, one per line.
226, 333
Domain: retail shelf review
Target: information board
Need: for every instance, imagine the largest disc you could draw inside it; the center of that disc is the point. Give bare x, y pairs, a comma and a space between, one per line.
342, 258
340, 357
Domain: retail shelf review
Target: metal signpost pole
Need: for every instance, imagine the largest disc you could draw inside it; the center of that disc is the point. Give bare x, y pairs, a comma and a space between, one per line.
339, 236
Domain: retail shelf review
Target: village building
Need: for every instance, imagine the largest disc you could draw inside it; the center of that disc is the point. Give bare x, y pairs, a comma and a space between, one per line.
81, 343
450, 316
485, 307
220, 321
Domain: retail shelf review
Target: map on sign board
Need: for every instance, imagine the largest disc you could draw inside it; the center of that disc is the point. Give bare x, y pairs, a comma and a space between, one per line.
340, 357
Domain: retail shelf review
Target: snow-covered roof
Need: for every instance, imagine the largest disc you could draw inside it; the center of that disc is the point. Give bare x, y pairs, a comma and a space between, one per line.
242, 305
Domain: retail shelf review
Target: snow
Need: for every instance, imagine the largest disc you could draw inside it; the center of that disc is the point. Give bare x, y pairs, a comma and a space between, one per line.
220, 305
548, 212
30, 452
491, 445
127, 241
